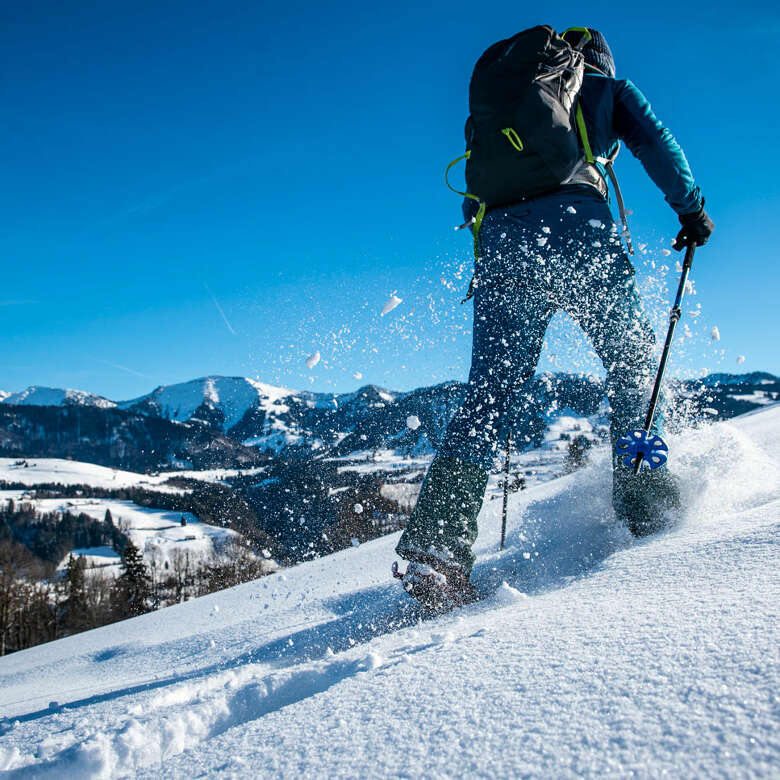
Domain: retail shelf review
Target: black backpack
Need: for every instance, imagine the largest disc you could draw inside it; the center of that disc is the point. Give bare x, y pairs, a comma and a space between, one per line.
521, 134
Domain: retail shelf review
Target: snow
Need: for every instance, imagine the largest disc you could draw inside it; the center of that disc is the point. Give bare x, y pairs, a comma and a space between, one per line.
233, 396
413, 422
51, 396
96, 559
403, 493
211, 475
715, 334
370, 461
158, 533
70, 472
591, 654
390, 304
740, 359
312, 360
756, 397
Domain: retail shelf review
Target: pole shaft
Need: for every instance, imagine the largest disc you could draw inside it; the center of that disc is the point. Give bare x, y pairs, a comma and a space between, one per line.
506, 490
674, 317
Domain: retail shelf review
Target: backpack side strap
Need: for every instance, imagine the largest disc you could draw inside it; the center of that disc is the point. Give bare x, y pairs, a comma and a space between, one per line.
477, 221
610, 169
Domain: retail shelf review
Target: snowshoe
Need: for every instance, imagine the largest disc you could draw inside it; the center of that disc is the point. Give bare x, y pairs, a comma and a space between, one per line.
645, 501
439, 588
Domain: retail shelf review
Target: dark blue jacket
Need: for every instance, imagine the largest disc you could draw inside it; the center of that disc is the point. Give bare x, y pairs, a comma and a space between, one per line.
615, 110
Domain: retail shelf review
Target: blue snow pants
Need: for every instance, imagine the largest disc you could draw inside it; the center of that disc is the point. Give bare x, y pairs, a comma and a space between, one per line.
557, 251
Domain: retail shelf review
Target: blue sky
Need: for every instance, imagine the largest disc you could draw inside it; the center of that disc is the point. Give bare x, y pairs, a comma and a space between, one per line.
225, 187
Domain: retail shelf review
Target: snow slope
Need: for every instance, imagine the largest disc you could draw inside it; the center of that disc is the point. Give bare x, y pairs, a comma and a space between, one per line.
591, 654
158, 533
42, 471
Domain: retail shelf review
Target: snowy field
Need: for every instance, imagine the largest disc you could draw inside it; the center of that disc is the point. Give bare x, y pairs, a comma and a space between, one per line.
40, 471
158, 533
591, 654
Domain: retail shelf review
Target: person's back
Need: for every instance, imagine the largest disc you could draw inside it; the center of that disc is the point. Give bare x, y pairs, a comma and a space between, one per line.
535, 256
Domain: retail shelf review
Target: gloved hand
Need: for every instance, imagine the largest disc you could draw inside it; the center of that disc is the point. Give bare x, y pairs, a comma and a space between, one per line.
696, 229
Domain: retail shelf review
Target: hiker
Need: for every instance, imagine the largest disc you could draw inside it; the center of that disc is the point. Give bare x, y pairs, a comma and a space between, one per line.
555, 249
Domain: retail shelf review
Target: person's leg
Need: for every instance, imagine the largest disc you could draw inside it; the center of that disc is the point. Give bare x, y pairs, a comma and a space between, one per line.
605, 302
509, 325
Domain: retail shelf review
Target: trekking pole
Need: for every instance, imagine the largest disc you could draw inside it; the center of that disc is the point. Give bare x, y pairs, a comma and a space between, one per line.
506, 490
640, 447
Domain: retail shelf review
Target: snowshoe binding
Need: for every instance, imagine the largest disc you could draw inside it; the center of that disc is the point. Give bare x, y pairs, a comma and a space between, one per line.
439, 588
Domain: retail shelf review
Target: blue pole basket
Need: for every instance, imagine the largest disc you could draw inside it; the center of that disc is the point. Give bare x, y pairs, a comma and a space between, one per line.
651, 446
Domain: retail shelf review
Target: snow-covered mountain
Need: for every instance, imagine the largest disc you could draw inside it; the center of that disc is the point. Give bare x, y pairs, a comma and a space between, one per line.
54, 396
591, 654
219, 400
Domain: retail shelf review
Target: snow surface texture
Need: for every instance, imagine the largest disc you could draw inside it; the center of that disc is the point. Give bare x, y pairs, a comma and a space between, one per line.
591, 654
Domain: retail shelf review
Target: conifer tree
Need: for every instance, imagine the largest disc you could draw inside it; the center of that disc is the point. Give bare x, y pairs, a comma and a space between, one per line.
133, 589
74, 606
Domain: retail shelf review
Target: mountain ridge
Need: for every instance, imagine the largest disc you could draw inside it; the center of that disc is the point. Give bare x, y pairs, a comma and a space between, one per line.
218, 421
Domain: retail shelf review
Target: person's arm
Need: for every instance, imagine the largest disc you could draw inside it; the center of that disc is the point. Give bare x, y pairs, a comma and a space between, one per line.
656, 148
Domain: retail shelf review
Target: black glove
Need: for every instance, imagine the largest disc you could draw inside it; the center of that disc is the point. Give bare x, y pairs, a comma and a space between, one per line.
696, 229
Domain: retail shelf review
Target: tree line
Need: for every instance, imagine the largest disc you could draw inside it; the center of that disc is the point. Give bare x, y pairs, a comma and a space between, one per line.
38, 603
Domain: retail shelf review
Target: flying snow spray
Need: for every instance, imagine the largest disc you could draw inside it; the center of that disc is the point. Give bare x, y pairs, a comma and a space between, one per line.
641, 449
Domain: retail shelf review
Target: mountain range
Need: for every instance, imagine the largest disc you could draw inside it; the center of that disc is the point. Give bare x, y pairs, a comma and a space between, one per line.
221, 421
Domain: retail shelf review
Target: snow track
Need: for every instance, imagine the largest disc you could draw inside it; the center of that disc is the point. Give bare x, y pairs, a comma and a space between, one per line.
591, 654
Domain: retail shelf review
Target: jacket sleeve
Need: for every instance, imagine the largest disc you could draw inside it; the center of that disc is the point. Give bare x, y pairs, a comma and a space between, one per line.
655, 147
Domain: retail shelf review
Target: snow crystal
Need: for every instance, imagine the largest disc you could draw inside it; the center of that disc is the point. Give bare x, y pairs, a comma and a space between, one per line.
358, 509
545, 229
596, 223
541, 241
715, 334
391, 303
413, 422
312, 360
666, 252
740, 359
357, 375
571, 210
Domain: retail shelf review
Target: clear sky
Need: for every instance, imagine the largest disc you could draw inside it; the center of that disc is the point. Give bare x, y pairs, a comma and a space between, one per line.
221, 187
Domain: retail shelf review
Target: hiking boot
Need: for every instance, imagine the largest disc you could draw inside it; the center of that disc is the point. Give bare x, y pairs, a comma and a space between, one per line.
437, 587
443, 524
643, 501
